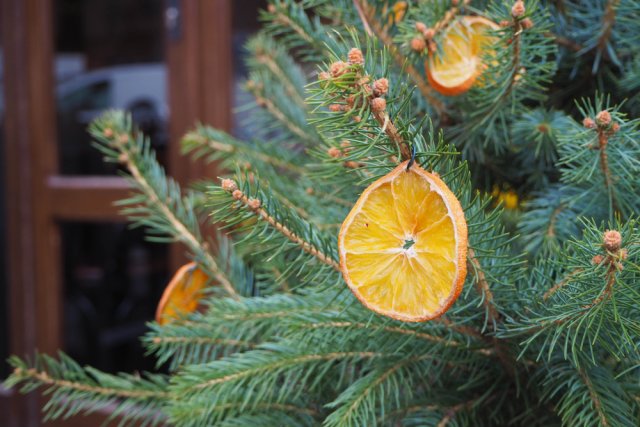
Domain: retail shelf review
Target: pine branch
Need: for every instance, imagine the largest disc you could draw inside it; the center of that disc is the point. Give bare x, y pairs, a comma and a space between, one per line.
73, 389
255, 206
603, 140
369, 20
160, 204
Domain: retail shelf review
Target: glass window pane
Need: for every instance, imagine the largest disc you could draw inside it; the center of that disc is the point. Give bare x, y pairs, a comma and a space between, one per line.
113, 280
108, 54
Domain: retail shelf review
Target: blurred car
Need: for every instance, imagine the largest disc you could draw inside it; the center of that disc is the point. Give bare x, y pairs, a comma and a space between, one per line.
139, 88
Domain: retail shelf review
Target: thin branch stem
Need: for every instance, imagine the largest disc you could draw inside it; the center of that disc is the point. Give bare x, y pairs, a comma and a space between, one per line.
282, 363
594, 398
284, 230
277, 71
482, 287
390, 129
555, 288
45, 378
201, 340
185, 234
603, 140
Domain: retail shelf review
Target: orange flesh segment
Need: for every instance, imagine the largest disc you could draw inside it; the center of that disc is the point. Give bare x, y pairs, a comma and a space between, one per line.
182, 294
460, 60
407, 281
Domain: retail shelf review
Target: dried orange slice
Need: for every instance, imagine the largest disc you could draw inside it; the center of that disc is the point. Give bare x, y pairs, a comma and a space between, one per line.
182, 294
403, 246
454, 69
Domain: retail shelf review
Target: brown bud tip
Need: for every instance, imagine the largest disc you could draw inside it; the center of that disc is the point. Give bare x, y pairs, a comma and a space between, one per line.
603, 118
350, 100
418, 44
334, 152
420, 26
336, 107
108, 132
351, 164
271, 8
518, 10
597, 260
526, 23
378, 104
345, 144
455, 2
309, 190
357, 119
338, 68
254, 204
380, 87
229, 185
364, 80
624, 254
356, 57
324, 75
123, 158
612, 240
123, 138
615, 128
589, 123
429, 33
504, 23
237, 194
432, 46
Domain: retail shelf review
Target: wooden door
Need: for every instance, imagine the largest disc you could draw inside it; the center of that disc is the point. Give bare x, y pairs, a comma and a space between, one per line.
56, 199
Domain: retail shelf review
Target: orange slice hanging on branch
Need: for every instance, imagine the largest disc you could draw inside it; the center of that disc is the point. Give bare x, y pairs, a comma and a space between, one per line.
403, 246
182, 295
455, 68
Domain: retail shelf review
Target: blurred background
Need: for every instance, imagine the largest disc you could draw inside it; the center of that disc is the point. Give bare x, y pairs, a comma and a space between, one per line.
73, 275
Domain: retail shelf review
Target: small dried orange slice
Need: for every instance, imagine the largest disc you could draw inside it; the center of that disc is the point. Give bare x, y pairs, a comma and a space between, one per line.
182, 294
403, 246
454, 69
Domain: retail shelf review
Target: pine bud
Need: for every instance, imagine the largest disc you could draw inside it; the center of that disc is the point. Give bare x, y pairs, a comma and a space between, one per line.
615, 128
356, 57
589, 123
271, 8
338, 68
334, 152
380, 87
123, 138
455, 2
346, 146
612, 240
624, 254
420, 26
237, 194
526, 23
429, 33
351, 164
378, 104
504, 23
603, 118
254, 204
357, 119
336, 107
229, 185
324, 75
309, 190
597, 260
108, 132
418, 44
518, 10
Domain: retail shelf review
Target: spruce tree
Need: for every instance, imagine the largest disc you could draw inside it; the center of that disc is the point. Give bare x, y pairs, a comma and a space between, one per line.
542, 151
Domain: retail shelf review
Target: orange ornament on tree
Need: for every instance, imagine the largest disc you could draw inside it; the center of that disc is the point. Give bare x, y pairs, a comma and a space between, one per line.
182, 295
455, 68
403, 246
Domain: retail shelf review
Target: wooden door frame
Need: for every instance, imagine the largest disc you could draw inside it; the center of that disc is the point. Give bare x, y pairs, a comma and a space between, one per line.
37, 198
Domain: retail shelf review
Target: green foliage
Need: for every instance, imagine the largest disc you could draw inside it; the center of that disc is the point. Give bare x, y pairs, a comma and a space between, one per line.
546, 330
